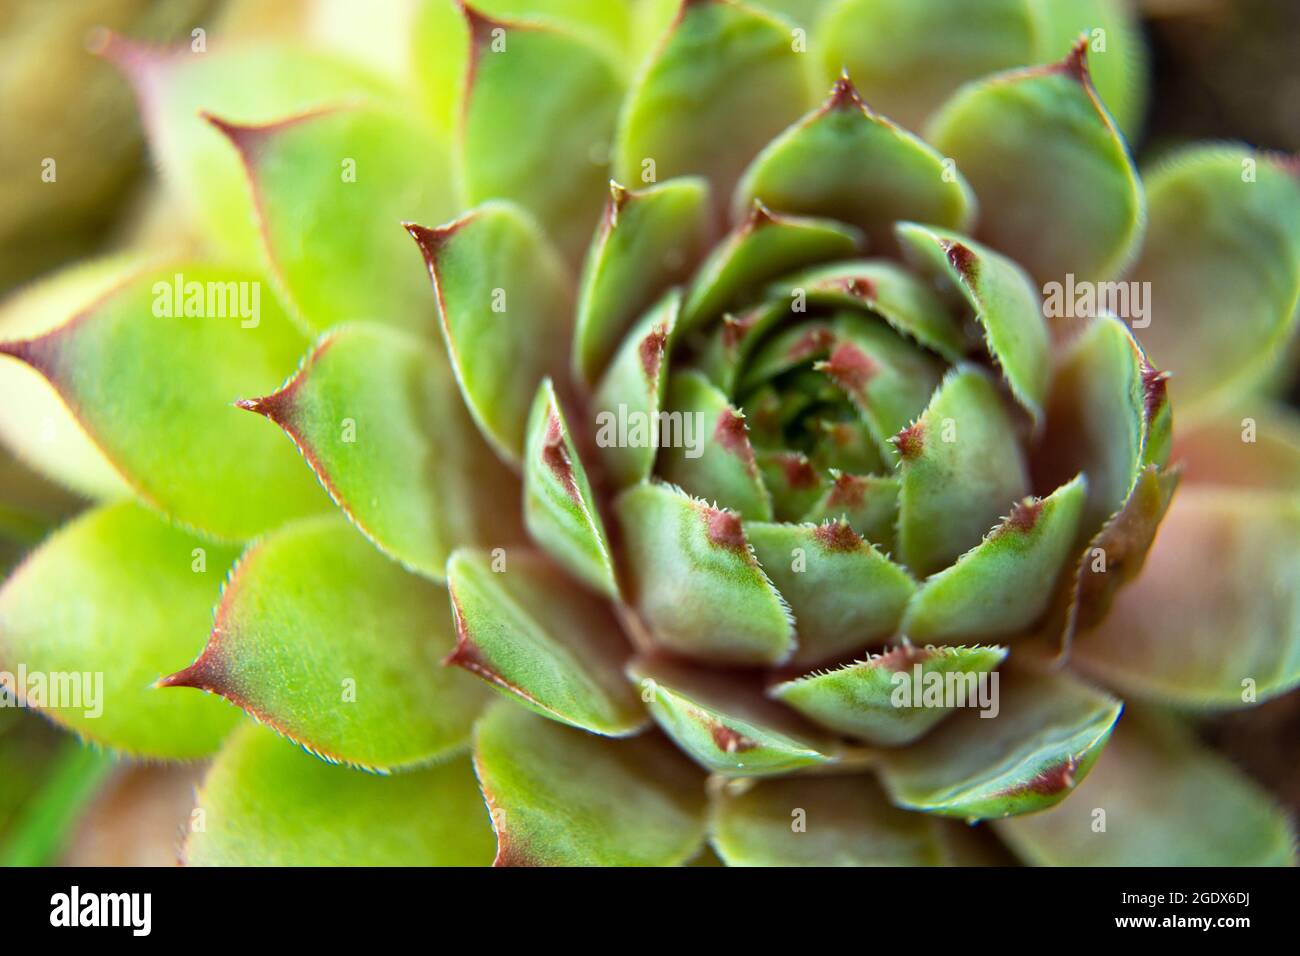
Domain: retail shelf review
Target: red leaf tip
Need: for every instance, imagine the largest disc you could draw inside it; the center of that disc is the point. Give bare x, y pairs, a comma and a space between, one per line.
731, 434
851, 367
555, 455
728, 740
844, 95
910, 442
1075, 64
848, 491
724, 529
962, 258
837, 536
759, 216
1024, 514
1155, 390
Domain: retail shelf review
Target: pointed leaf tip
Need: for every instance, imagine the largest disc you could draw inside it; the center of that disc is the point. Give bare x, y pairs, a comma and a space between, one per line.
1075, 63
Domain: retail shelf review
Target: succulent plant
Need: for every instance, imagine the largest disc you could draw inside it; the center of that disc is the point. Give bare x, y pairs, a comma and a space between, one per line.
738, 446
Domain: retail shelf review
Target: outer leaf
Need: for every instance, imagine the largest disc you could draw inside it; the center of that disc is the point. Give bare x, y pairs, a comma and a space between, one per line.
846, 821
329, 189
1225, 227
712, 457
1232, 638
530, 633
1058, 190
379, 419
35, 424
539, 116
907, 57
259, 83
962, 468
113, 599
631, 395
559, 508
761, 248
844, 594
648, 241
1003, 585
724, 724
1045, 737
155, 392
266, 803
1006, 304
695, 582
722, 83
560, 797
865, 700
504, 301
338, 649
1168, 802
846, 162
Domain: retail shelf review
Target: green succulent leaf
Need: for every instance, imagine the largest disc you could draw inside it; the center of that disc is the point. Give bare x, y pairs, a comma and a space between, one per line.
330, 188
764, 246
724, 723
723, 81
524, 628
820, 821
844, 594
1224, 227
863, 699
67, 782
378, 417
1003, 585
559, 508
114, 599
792, 480
538, 121
907, 57
846, 162
266, 803
152, 372
1005, 300
717, 464
35, 423
503, 296
1168, 802
333, 645
695, 582
886, 289
1234, 637
648, 241
962, 468
1058, 190
560, 797
258, 83
1044, 737
869, 503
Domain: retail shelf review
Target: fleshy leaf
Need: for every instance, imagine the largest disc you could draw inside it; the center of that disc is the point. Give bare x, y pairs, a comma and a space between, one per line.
1044, 734
1231, 639
868, 502
266, 803
761, 248
711, 458
721, 84
1005, 300
527, 631
1058, 191
559, 508
695, 582
792, 480
907, 57
1168, 802
844, 594
864, 699
725, 724
648, 241
845, 821
35, 424
560, 797
152, 372
539, 116
1005, 584
1224, 227
337, 648
504, 300
846, 162
378, 417
114, 599
330, 188
888, 290
962, 469
260, 83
